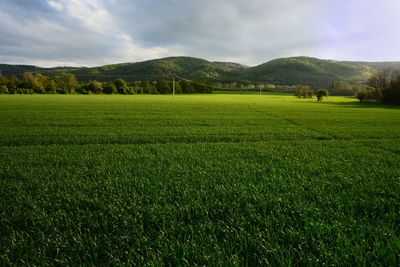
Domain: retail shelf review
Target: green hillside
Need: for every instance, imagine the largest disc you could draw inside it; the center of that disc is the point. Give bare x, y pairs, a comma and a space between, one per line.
8, 70
18, 70
284, 71
306, 70
188, 67
376, 65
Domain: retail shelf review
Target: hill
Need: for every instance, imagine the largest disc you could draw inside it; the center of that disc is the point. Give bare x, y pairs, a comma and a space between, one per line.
284, 71
188, 67
8, 70
377, 65
307, 70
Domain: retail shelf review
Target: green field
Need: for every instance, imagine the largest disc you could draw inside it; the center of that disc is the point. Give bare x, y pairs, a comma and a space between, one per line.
200, 180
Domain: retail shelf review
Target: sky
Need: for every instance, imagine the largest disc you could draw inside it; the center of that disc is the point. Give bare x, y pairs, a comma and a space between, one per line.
50, 33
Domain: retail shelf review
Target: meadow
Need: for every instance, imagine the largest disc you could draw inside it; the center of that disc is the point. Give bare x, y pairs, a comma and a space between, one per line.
221, 179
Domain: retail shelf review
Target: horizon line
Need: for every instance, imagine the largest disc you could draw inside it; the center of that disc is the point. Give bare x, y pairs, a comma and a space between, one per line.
211, 61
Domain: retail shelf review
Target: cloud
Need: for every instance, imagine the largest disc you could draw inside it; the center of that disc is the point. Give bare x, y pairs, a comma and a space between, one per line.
96, 32
128, 49
56, 5
90, 12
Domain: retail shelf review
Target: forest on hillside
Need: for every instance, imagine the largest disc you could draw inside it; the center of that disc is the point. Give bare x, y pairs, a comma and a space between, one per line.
287, 75
284, 71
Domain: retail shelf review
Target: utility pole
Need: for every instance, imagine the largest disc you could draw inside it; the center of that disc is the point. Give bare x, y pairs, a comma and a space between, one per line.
173, 87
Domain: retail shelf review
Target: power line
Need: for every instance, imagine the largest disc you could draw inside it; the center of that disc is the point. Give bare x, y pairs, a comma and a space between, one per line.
159, 76
211, 86
126, 75
166, 75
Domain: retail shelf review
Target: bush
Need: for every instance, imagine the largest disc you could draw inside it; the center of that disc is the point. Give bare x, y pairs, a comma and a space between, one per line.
95, 87
321, 93
122, 90
163, 87
373, 93
39, 90
82, 90
139, 90
361, 94
109, 89
130, 90
119, 84
304, 92
3, 89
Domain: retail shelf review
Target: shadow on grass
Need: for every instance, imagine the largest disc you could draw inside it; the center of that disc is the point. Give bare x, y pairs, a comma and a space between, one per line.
244, 92
357, 104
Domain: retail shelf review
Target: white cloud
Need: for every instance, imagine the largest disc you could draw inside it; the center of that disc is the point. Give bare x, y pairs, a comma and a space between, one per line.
93, 32
56, 5
90, 12
127, 50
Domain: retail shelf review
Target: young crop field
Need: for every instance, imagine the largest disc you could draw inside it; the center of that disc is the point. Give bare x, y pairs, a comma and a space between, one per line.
221, 179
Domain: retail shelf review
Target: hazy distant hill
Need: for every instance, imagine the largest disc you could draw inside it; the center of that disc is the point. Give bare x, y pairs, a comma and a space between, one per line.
285, 71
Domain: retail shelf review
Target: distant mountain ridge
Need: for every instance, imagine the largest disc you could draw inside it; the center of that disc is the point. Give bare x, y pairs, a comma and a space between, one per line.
283, 71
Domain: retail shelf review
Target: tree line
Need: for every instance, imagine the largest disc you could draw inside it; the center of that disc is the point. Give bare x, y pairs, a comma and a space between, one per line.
67, 84
382, 87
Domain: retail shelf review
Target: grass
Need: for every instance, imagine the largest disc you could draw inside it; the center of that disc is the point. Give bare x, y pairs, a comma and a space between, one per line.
199, 180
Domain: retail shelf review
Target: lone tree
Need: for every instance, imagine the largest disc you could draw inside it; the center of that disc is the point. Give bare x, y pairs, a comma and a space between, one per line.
361, 95
321, 93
